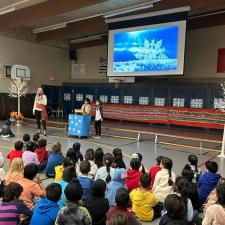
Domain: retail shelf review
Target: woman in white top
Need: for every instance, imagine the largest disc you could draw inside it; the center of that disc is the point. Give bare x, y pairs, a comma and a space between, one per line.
164, 180
98, 118
39, 110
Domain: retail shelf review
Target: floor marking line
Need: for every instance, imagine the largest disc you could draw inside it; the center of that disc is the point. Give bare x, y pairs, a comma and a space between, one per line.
205, 161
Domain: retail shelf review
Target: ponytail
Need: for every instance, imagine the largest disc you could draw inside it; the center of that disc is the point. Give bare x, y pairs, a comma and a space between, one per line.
168, 164
108, 178
170, 181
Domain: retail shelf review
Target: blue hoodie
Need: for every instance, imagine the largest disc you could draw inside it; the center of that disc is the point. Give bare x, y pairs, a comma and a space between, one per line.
45, 213
206, 183
116, 183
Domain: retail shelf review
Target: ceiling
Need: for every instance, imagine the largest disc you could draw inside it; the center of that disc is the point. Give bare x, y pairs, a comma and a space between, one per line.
83, 18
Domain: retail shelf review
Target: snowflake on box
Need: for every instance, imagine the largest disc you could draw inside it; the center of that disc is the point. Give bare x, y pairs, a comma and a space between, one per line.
17, 89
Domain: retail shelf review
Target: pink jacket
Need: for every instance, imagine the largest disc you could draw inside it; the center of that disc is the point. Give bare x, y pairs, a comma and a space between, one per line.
215, 215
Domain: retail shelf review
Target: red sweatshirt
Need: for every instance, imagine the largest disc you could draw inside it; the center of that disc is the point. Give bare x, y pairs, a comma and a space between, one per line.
14, 154
42, 154
133, 179
152, 173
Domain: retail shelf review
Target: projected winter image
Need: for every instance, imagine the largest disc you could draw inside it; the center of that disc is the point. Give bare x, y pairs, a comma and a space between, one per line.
146, 50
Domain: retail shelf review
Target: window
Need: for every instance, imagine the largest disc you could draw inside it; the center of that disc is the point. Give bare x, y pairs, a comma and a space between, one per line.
128, 100
115, 99
219, 103
104, 98
79, 97
178, 102
91, 97
159, 102
143, 100
67, 97
196, 103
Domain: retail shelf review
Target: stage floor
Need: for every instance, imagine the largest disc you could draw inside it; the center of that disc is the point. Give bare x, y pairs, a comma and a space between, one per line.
147, 148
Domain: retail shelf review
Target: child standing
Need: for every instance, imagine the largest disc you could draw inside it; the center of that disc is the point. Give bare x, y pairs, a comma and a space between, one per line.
98, 118
133, 175
154, 170
89, 155
55, 158
97, 204
208, 181
193, 162
73, 213
31, 188
42, 153
143, 200
164, 180
11, 207
118, 181
106, 172
47, 208
6, 130
29, 156
84, 180
122, 204
15, 153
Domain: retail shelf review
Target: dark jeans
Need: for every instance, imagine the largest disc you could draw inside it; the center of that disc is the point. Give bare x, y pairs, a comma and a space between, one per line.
98, 127
42, 166
38, 118
158, 210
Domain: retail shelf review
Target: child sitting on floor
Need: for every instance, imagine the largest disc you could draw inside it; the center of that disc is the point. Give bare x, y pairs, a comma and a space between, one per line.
140, 157
55, 158
118, 181
215, 214
164, 180
42, 153
208, 181
144, 200
154, 170
6, 131
36, 137
31, 188
133, 174
84, 180
122, 204
118, 159
59, 169
106, 172
99, 154
29, 156
47, 208
193, 162
26, 139
89, 155
68, 174
97, 204
78, 154
175, 211
11, 207
73, 213
17, 152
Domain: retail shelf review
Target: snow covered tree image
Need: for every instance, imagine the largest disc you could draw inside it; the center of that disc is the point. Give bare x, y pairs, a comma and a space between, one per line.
17, 89
152, 53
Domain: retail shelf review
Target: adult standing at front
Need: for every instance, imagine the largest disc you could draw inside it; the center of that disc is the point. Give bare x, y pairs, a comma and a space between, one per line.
86, 107
39, 109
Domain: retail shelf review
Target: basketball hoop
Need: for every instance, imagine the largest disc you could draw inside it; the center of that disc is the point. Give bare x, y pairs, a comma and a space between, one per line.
118, 82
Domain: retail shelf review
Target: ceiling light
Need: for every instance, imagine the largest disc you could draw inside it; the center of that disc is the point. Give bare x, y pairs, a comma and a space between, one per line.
90, 38
47, 28
7, 9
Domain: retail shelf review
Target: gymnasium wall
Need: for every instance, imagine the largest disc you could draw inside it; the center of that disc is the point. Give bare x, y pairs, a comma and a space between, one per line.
200, 59
42, 60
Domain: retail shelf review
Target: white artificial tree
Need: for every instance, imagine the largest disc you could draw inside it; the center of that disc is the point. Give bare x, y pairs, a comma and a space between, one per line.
221, 106
17, 89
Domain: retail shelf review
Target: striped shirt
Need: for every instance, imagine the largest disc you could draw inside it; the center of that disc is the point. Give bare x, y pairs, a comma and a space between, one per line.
10, 212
